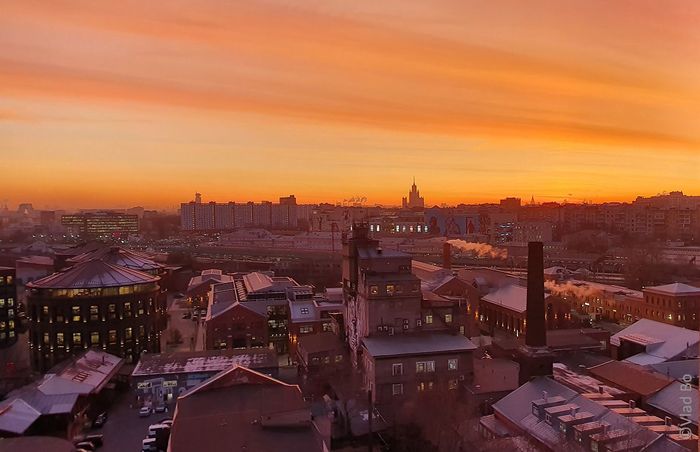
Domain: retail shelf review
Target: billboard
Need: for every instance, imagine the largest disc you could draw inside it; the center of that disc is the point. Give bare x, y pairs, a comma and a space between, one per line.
449, 223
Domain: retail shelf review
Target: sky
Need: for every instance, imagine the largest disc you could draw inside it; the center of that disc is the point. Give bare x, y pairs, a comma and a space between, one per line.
123, 103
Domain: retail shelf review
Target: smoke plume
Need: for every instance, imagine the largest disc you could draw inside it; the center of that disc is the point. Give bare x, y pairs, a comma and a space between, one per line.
569, 289
480, 249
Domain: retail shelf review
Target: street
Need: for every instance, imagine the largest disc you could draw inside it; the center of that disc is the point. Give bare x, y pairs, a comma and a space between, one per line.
124, 429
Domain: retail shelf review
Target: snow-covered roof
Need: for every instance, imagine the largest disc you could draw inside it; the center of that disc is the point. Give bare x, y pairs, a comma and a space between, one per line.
662, 341
512, 296
677, 289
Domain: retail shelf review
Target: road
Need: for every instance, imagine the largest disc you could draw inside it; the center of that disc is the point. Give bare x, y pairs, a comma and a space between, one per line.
192, 333
124, 429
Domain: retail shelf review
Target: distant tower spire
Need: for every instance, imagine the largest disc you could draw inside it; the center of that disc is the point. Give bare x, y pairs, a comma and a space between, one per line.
532, 200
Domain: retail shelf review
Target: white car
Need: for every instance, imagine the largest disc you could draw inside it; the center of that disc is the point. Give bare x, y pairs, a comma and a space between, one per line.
145, 411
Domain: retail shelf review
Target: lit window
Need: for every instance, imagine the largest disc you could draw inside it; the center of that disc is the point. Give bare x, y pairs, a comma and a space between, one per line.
128, 333
390, 289
142, 331
425, 386
127, 310
45, 311
397, 389
112, 310
452, 384
59, 339
374, 290
425, 366
448, 318
2, 302
397, 369
46, 338
76, 313
77, 339
428, 318
304, 310
112, 336
452, 364
306, 329
338, 358
94, 313
95, 338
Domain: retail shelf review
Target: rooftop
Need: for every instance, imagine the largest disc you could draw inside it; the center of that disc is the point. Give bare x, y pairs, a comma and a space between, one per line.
203, 361
675, 399
674, 289
240, 409
512, 296
83, 375
118, 256
630, 377
211, 276
93, 274
317, 343
663, 342
417, 344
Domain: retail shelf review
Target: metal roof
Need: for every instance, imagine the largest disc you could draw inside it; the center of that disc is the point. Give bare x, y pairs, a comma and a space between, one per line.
118, 256
205, 361
674, 289
93, 274
512, 296
17, 416
417, 344
675, 399
662, 340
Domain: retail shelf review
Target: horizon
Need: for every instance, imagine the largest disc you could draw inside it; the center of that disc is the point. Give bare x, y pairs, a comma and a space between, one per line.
174, 208
104, 102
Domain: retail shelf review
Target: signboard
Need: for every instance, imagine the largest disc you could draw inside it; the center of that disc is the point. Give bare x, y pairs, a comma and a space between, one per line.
170, 384
143, 385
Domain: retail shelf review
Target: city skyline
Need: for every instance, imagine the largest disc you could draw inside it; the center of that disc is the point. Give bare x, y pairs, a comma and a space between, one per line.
105, 101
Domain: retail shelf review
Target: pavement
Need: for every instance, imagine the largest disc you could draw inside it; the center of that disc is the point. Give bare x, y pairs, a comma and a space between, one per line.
125, 430
192, 332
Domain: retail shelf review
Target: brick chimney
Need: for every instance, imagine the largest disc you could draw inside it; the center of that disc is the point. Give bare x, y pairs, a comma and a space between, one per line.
446, 255
536, 334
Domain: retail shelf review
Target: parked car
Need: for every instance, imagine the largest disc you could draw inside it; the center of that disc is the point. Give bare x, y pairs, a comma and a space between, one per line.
95, 439
86, 445
100, 420
148, 445
168, 422
145, 411
160, 409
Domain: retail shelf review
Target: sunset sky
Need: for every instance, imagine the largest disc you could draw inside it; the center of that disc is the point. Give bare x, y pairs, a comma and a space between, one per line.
123, 103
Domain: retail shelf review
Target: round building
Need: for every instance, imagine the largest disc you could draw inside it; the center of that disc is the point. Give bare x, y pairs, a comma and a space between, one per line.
93, 304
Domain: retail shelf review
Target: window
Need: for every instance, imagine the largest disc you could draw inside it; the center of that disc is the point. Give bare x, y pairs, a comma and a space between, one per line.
95, 338
397, 389
45, 311
59, 339
448, 318
374, 290
127, 310
112, 336
390, 289
128, 333
77, 339
452, 364
46, 338
142, 331
428, 318
425, 366
112, 311
425, 386
76, 313
94, 313
399, 289
140, 308
452, 384
397, 369
338, 358
2, 302
461, 329
304, 310
327, 327
306, 329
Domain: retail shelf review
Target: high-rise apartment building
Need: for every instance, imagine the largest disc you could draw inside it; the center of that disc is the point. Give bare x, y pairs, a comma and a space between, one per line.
198, 216
101, 224
414, 199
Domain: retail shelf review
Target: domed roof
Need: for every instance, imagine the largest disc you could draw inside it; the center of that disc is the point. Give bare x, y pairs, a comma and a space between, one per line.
93, 274
118, 256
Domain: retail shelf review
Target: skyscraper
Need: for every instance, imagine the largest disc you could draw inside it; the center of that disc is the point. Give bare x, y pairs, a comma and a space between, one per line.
414, 198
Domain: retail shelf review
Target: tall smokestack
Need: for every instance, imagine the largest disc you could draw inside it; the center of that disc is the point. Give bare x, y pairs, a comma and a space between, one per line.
447, 255
536, 334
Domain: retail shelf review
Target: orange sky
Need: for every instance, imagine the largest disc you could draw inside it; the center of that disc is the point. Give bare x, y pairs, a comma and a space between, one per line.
121, 103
